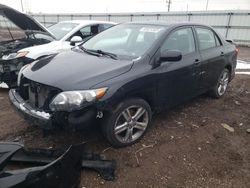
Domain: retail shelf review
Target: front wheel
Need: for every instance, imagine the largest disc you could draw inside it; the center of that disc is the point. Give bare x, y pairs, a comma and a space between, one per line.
221, 85
127, 123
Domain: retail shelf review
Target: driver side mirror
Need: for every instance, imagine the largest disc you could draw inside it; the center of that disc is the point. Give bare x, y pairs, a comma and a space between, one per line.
75, 39
171, 55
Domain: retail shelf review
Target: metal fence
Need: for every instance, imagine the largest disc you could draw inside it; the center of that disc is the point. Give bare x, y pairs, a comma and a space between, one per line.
231, 24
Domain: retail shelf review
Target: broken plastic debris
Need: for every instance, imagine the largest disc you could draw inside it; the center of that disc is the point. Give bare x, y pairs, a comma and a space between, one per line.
229, 128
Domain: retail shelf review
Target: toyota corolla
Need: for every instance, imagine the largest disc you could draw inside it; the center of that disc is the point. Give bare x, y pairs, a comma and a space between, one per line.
124, 74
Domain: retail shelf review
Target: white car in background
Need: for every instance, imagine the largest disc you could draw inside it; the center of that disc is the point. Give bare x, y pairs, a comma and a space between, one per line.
23, 40
67, 34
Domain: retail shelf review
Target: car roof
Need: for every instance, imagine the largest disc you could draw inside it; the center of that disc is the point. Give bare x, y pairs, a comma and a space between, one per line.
166, 23
87, 22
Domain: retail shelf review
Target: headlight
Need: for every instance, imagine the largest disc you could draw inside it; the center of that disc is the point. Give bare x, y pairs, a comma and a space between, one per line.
15, 55
21, 54
73, 100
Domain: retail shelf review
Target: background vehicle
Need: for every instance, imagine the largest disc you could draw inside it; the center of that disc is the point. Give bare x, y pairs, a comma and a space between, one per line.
17, 31
122, 75
67, 34
30, 40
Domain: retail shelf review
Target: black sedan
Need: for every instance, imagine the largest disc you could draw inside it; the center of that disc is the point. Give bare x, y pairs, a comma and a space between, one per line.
124, 74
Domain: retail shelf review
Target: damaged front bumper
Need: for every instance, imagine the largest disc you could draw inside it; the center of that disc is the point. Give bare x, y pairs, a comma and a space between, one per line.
47, 121
36, 117
9, 70
55, 168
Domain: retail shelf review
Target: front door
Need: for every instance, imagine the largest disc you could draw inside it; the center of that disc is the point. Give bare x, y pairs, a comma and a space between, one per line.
179, 81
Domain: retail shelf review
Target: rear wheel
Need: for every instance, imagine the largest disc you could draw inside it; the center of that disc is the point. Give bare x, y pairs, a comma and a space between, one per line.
221, 85
127, 123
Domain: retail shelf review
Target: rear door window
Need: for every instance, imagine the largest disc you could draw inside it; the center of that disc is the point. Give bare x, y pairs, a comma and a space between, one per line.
182, 40
206, 38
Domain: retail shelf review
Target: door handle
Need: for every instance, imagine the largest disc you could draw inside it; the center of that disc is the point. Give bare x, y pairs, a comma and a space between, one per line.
197, 61
222, 54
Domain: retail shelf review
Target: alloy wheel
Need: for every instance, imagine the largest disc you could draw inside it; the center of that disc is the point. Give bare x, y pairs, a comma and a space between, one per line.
223, 83
131, 124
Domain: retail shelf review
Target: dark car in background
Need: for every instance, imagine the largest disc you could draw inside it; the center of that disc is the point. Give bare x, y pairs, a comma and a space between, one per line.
124, 74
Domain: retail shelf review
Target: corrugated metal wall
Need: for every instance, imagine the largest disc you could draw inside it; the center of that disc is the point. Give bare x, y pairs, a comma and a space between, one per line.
232, 25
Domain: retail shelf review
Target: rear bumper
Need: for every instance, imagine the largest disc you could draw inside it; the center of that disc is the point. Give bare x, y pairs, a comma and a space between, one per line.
34, 116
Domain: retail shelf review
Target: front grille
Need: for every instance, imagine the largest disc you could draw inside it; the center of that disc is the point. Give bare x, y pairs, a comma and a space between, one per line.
6, 68
36, 94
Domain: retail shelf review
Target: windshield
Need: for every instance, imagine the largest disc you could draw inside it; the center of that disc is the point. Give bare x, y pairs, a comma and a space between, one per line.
61, 29
126, 39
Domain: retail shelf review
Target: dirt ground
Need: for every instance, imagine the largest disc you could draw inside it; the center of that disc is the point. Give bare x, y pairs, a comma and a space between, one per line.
185, 147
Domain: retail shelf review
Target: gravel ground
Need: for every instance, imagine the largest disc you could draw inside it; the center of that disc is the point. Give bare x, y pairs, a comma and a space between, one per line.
202, 143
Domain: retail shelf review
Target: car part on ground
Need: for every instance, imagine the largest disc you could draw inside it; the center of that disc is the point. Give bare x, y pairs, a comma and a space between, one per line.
97, 162
55, 168
139, 67
64, 172
29, 33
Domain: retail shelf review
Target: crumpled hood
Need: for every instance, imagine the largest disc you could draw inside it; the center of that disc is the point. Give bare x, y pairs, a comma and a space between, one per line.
23, 21
75, 70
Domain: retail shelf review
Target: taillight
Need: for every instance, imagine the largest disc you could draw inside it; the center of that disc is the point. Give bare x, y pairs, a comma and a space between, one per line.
237, 51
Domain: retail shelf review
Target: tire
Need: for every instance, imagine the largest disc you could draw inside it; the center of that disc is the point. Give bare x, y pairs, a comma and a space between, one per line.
221, 86
125, 121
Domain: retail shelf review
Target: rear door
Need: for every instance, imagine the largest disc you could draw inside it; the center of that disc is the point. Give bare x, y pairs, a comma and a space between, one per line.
212, 56
179, 80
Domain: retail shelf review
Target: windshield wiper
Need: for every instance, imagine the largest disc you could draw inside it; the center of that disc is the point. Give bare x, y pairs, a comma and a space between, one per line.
113, 56
98, 52
89, 51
